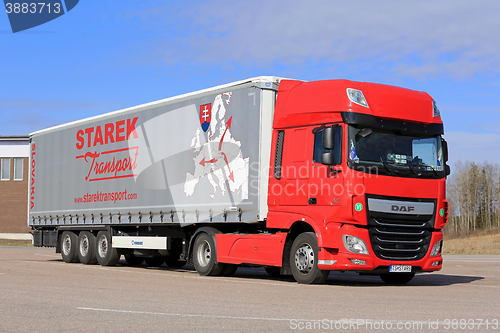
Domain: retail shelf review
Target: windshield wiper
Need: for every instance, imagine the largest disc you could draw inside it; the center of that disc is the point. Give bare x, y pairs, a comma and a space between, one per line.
432, 168
412, 170
385, 164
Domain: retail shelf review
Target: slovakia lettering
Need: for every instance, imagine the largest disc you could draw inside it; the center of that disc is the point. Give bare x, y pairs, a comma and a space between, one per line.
32, 186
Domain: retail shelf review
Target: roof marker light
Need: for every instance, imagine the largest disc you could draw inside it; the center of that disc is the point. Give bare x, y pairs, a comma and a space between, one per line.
357, 97
435, 110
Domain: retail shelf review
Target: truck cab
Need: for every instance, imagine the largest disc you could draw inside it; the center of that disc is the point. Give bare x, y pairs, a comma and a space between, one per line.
363, 166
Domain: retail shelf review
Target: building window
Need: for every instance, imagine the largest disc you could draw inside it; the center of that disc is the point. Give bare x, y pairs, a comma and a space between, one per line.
18, 168
5, 169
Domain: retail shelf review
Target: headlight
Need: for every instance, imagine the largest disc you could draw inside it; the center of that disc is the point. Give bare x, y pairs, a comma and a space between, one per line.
436, 250
354, 244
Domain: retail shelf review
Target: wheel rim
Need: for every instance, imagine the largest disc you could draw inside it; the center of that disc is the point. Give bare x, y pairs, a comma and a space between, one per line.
84, 246
67, 245
204, 253
304, 258
103, 247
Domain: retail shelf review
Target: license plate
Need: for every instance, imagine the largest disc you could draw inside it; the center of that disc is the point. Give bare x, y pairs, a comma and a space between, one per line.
400, 268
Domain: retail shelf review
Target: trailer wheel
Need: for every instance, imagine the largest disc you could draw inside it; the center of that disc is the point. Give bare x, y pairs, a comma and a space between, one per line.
86, 248
397, 278
304, 260
105, 253
69, 242
133, 260
154, 261
204, 256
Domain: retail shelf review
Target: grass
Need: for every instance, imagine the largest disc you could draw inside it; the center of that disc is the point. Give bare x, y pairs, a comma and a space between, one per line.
15, 242
480, 242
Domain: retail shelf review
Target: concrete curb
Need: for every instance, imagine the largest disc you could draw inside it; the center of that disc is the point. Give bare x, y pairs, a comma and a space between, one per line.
16, 236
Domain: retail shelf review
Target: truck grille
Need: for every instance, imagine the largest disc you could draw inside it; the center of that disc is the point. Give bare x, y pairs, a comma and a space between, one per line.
396, 236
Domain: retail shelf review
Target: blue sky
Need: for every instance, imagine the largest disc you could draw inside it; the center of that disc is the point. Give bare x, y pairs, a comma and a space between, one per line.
111, 54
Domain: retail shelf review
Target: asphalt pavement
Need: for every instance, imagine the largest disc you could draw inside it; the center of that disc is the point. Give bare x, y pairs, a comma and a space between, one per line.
41, 293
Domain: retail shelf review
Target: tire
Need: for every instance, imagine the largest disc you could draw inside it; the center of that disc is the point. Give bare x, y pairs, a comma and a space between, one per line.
105, 253
273, 271
304, 260
86, 248
229, 270
69, 245
154, 261
397, 278
204, 258
133, 260
174, 262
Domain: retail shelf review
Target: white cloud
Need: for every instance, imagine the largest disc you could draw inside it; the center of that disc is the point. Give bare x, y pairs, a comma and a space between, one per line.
422, 38
478, 147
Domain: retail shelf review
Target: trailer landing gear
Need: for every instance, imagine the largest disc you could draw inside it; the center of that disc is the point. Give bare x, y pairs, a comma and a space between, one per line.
174, 262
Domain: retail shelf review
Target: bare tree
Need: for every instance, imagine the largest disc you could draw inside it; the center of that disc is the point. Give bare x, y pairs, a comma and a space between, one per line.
474, 194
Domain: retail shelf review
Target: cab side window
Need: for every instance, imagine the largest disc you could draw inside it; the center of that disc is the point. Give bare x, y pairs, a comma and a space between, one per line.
319, 150
318, 147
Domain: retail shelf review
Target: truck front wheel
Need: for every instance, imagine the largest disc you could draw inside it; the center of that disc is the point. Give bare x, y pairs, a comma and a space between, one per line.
304, 260
86, 248
204, 258
69, 251
105, 253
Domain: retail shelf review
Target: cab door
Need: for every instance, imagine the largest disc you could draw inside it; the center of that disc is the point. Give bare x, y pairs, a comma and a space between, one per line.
326, 183
296, 166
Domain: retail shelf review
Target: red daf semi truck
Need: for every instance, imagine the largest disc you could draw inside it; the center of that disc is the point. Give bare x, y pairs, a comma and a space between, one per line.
302, 178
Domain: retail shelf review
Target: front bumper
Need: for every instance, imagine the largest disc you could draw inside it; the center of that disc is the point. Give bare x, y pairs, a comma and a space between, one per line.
339, 259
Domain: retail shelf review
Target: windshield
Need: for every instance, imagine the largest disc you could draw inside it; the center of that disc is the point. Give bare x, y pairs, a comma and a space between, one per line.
396, 153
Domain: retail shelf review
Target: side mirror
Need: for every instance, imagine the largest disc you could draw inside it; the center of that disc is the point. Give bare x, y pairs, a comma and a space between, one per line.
447, 169
444, 146
327, 158
328, 139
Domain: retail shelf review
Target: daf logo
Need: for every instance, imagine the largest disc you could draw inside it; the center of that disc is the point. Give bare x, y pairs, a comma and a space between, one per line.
402, 208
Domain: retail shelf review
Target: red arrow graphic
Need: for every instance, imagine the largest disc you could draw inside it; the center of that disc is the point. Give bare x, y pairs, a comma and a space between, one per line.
203, 162
228, 126
231, 175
